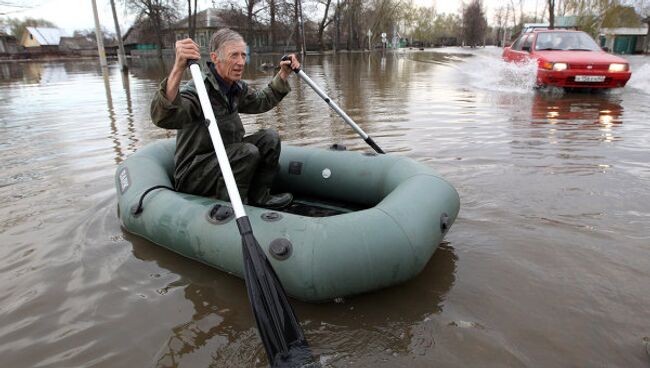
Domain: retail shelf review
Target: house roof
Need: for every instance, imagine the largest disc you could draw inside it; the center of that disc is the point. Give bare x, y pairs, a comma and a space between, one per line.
46, 36
208, 18
78, 43
640, 31
212, 18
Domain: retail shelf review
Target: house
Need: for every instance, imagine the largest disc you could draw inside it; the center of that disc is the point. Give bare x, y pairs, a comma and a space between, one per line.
41, 39
622, 30
8, 44
624, 40
78, 45
210, 20
141, 39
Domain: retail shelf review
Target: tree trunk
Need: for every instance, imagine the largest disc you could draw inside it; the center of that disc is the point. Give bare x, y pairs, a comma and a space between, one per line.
157, 25
337, 40
551, 14
273, 23
194, 19
322, 25
249, 16
191, 19
296, 22
350, 21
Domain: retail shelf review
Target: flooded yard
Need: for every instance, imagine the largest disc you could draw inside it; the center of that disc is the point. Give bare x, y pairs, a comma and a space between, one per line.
548, 264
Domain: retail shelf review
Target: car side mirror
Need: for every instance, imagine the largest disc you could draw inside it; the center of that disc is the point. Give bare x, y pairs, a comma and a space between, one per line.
525, 48
605, 48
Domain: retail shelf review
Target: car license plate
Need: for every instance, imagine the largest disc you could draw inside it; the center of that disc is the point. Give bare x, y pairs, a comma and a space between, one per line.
590, 78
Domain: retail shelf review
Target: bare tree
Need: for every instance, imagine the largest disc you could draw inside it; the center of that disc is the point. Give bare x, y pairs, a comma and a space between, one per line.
250, 18
18, 26
500, 20
191, 18
551, 14
296, 23
324, 22
272, 21
474, 23
159, 13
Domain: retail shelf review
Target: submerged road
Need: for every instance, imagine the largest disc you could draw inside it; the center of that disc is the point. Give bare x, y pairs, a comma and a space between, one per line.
548, 264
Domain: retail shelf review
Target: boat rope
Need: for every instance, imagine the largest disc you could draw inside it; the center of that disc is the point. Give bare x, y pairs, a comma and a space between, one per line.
138, 210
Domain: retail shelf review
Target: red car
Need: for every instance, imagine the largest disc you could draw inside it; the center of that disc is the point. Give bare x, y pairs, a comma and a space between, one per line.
569, 59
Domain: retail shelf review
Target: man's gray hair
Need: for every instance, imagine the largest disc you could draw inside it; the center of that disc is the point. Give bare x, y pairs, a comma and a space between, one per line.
221, 37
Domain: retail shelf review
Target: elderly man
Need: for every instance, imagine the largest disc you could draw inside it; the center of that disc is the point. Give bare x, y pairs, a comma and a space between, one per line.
253, 158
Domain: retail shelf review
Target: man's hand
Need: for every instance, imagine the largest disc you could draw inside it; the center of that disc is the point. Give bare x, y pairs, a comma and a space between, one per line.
287, 66
185, 50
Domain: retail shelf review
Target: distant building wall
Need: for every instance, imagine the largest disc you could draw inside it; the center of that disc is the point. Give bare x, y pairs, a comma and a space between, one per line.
8, 45
29, 40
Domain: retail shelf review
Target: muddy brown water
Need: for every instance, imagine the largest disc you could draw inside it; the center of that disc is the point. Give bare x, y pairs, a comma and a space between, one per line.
548, 264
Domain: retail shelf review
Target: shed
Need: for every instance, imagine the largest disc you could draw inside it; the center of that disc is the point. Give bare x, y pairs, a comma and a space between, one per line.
624, 40
8, 44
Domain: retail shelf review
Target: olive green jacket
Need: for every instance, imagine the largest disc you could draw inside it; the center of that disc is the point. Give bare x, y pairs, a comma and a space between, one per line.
193, 143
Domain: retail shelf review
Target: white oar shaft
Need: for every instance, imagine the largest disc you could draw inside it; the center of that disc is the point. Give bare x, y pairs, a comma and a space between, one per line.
219, 149
332, 104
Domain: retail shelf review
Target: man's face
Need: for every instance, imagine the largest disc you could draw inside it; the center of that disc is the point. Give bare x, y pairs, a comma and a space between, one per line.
232, 68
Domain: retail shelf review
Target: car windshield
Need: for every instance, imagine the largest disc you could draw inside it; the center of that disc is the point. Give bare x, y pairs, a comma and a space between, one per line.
565, 41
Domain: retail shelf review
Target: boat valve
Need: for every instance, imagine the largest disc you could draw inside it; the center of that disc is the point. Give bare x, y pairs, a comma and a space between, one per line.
280, 249
220, 214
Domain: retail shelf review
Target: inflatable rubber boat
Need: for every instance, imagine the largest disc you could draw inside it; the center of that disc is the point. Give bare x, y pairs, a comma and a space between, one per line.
359, 221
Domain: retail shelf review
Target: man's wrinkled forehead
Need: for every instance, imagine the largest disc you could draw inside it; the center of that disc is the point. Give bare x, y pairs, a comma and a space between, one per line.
234, 47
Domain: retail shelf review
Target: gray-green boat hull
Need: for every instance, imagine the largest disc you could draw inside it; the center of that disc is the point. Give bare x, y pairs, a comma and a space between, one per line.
385, 244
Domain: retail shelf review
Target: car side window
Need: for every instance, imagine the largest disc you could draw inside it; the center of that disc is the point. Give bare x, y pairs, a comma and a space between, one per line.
528, 42
518, 43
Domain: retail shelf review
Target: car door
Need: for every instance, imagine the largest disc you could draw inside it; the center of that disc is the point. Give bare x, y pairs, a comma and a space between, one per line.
522, 52
510, 53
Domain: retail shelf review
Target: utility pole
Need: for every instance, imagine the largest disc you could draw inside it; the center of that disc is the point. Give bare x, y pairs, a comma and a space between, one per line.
121, 55
100, 38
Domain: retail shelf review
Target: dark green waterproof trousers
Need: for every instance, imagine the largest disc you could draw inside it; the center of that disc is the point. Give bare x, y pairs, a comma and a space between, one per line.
254, 164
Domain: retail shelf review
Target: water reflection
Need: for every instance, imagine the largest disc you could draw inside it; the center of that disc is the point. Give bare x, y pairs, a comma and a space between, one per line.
221, 328
596, 110
10, 72
220, 323
150, 68
113, 136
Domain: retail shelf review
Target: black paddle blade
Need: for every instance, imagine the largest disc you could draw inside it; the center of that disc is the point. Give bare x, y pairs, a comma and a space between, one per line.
277, 323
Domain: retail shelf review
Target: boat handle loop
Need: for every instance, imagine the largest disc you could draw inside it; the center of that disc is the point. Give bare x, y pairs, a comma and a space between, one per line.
138, 209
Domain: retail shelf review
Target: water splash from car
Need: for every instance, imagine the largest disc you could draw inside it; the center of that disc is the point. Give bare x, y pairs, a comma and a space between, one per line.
641, 78
489, 72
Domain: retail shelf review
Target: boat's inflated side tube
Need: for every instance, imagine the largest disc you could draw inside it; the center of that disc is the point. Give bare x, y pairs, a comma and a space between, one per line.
408, 210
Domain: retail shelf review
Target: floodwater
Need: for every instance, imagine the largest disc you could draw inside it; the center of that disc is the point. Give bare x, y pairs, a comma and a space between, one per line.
548, 264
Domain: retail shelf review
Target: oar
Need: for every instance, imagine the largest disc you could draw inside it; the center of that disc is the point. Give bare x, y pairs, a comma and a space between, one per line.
336, 108
277, 323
